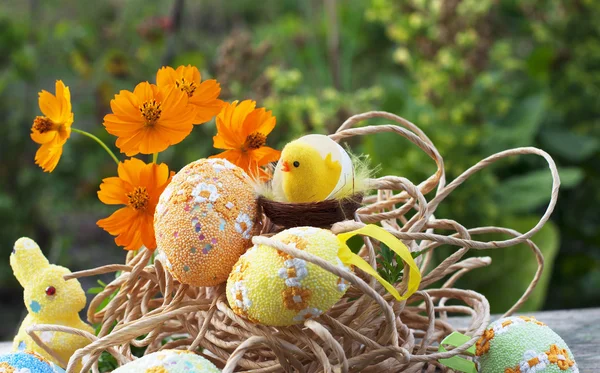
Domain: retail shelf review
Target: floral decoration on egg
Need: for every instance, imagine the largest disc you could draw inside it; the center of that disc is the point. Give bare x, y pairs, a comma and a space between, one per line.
522, 345
273, 288
204, 221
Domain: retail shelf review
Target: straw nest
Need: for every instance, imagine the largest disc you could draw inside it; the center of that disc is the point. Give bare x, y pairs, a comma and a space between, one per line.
321, 214
367, 331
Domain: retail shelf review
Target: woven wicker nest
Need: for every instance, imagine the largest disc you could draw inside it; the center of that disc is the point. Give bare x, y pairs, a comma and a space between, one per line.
367, 331
321, 214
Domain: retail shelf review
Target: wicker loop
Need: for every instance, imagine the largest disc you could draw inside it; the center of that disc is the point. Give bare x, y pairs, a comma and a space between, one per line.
366, 331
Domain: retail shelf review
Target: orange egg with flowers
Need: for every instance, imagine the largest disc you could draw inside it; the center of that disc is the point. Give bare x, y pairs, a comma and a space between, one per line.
205, 220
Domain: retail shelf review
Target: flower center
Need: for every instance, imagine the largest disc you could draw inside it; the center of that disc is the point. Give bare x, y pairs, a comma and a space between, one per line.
186, 86
151, 111
138, 199
255, 140
43, 124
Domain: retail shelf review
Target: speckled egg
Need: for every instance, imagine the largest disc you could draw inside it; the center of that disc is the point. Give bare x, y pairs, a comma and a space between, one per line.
27, 362
169, 361
204, 221
522, 345
270, 287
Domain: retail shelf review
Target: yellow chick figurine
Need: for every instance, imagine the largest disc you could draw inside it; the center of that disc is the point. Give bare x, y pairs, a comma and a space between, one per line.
49, 300
307, 177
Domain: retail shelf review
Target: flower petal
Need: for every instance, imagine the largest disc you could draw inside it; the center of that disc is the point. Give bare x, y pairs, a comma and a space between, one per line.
129, 171
48, 155
43, 138
165, 76
147, 234
229, 128
124, 224
49, 105
113, 191
265, 155
206, 101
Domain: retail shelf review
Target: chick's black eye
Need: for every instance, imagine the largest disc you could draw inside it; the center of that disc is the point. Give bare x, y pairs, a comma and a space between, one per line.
296, 164
50, 291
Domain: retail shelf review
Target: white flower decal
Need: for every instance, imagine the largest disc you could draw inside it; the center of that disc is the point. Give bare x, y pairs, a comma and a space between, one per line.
295, 271
239, 290
533, 362
243, 225
221, 164
199, 196
308, 313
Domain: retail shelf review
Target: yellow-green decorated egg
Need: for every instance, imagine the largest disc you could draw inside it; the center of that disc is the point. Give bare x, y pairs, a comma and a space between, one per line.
522, 344
169, 361
204, 221
270, 287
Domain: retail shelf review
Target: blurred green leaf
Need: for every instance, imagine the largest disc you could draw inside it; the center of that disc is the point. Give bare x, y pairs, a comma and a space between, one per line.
526, 192
539, 62
569, 145
519, 126
513, 268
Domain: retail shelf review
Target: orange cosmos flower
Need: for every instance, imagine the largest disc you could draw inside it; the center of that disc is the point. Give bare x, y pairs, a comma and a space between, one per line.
149, 119
202, 95
242, 130
138, 187
53, 129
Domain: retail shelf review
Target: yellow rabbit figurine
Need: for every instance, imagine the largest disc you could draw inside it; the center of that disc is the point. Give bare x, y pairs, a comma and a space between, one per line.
49, 300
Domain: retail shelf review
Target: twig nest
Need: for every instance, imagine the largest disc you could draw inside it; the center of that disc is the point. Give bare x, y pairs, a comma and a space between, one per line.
522, 345
204, 221
321, 214
27, 362
270, 287
169, 361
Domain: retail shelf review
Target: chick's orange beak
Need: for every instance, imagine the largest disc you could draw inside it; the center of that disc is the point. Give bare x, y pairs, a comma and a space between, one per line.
285, 167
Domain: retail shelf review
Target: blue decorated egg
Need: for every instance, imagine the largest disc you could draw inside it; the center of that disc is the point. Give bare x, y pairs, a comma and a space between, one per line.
27, 362
522, 345
169, 361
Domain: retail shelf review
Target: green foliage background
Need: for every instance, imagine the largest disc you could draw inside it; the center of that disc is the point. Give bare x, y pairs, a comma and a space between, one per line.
478, 76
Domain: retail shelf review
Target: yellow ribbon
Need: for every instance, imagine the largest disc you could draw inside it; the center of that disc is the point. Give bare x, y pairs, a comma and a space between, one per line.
349, 258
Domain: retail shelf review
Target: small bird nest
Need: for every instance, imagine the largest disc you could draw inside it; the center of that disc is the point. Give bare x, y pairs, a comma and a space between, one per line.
366, 331
322, 214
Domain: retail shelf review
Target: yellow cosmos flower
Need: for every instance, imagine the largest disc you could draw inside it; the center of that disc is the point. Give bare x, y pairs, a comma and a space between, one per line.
203, 95
149, 119
138, 187
53, 129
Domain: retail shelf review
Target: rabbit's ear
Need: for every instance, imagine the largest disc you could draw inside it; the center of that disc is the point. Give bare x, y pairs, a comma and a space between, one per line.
27, 260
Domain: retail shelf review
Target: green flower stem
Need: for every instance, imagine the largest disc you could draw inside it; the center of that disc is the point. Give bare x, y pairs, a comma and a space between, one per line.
154, 157
102, 144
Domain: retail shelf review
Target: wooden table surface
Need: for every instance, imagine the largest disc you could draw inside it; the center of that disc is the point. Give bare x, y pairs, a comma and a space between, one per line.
579, 328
